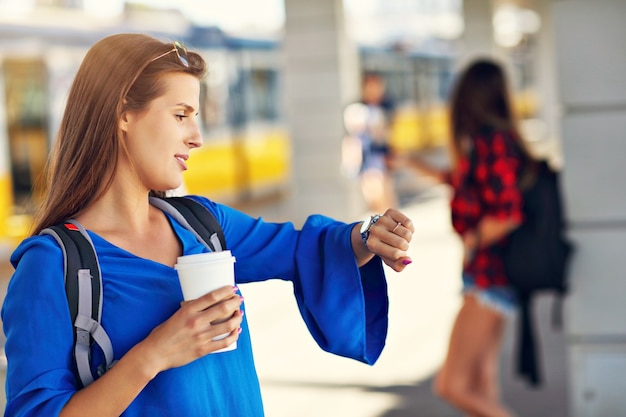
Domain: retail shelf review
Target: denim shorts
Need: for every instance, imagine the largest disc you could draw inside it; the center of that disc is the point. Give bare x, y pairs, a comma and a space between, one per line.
500, 298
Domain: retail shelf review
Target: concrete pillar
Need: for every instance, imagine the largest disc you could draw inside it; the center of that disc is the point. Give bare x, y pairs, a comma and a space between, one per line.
321, 68
591, 68
545, 83
478, 34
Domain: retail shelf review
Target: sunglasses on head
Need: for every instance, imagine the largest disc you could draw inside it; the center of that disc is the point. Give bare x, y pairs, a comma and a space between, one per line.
181, 52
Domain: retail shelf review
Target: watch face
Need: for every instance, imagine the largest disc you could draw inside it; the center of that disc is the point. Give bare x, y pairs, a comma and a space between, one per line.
365, 224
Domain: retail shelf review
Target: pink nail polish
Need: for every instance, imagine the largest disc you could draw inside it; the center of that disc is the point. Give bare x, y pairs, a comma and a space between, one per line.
235, 288
239, 331
407, 262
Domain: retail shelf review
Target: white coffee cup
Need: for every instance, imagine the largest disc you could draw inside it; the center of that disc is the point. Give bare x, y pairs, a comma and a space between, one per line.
202, 273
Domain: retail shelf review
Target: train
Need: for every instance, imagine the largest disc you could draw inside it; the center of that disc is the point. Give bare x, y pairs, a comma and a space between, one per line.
246, 153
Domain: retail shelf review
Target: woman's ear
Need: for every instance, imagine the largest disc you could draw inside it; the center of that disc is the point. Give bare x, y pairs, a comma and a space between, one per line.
124, 121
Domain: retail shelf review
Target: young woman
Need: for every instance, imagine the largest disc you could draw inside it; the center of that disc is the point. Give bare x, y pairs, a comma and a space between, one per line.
126, 134
488, 161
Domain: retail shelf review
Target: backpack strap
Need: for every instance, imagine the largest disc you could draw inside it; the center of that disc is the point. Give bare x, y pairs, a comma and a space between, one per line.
83, 287
527, 364
194, 217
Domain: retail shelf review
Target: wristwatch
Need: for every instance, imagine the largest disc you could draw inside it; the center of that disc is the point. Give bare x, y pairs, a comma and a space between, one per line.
367, 225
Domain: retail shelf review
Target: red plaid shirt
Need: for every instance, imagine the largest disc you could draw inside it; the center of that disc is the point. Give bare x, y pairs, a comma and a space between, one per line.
490, 190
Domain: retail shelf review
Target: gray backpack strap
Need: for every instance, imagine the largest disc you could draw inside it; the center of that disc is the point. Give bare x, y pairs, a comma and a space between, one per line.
83, 286
88, 329
194, 217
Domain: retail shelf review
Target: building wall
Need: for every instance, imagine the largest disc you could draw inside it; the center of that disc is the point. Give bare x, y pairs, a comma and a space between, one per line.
591, 70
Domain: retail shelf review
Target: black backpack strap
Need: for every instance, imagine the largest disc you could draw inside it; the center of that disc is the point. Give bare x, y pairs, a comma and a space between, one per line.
196, 218
83, 287
527, 358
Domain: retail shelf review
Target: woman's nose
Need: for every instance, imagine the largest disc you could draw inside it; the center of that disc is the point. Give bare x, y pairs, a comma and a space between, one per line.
195, 139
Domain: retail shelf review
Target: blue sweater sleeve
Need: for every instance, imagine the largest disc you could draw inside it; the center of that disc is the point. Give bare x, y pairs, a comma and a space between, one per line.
39, 334
344, 307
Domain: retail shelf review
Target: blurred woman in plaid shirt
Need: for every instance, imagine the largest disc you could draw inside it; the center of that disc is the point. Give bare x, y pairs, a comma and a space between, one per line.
488, 157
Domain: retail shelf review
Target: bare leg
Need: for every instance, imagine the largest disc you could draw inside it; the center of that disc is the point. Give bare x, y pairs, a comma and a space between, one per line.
374, 186
391, 198
488, 371
468, 378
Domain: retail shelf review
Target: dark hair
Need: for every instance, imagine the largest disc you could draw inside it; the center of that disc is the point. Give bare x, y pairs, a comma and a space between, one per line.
481, 100
118, 74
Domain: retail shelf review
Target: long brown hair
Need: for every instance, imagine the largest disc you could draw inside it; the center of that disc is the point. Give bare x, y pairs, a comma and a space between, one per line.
119, 73
481, 99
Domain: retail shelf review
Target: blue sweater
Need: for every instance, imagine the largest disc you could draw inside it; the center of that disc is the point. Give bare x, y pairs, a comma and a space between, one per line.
344, 307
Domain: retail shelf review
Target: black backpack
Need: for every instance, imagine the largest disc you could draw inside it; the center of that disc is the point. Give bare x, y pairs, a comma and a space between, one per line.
536, 258
83, 284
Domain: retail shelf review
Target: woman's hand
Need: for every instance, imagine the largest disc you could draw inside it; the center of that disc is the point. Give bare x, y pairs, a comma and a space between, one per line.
184, 337
389, 238
189, 333
470, 246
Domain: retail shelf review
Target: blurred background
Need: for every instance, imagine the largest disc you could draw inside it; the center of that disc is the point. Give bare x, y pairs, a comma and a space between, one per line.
247, 154
281, 74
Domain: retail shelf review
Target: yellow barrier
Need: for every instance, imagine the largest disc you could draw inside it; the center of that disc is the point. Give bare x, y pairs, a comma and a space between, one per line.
413, 129
13, 227
269, 160
212, 170
227, 169
6, 203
